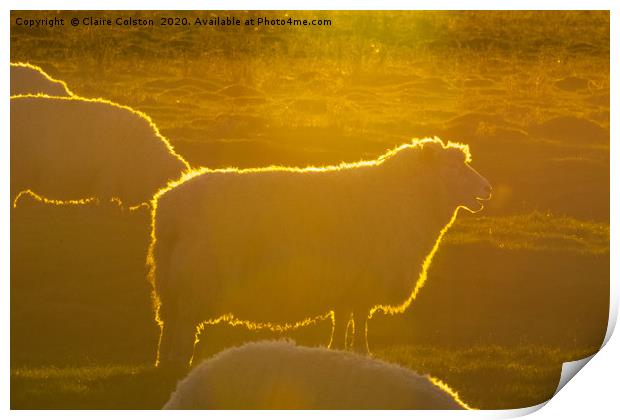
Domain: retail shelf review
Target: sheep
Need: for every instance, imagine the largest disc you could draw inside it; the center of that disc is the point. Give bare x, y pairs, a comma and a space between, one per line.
29, 79
281, 375
282, 247
72, 149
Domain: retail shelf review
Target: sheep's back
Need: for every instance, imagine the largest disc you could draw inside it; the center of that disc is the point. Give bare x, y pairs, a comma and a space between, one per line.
280, 375
73, 148
27, 80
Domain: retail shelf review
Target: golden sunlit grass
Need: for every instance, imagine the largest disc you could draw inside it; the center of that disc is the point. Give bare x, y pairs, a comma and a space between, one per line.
505, 370
478, 63
517, 374
92, 386
534, 231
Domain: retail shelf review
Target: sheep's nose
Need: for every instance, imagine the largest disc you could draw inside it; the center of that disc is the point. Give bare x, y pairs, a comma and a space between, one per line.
488, 190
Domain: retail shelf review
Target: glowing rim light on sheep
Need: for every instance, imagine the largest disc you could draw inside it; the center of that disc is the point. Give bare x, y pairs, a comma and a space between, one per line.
47, 76
186, 176
230, 318
328, 168
74, 202
78, 202
446, 388
252, 326
391, 310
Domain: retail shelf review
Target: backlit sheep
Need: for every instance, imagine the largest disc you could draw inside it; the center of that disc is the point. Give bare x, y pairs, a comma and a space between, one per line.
280, 375
276, 247
72, 149
29, 79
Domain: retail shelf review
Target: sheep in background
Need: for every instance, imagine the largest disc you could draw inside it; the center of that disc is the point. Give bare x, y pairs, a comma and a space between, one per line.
70, 149
275, 247
280, 375
29, 79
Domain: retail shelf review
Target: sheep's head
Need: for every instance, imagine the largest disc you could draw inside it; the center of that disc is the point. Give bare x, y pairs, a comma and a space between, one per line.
461, 184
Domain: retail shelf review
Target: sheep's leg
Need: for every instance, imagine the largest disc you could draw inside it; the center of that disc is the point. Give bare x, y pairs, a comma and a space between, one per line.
360, 334
186, 339
167, 336
339, 332
177, 341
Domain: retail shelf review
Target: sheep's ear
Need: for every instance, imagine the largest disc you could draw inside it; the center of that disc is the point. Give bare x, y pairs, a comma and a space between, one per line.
429, 154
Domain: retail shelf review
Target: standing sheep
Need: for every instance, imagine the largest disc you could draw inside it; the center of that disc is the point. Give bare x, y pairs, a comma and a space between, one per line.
68, 149
275, 247
280, 375
29, 79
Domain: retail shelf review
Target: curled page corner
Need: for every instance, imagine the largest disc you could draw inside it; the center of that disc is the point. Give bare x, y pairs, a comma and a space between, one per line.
613, 312
570, 369
520, 412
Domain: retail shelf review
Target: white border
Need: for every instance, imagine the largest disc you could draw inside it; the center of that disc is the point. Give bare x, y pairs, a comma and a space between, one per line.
593, 394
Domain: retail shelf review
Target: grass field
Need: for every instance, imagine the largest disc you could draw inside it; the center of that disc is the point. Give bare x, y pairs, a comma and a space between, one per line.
512, 293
